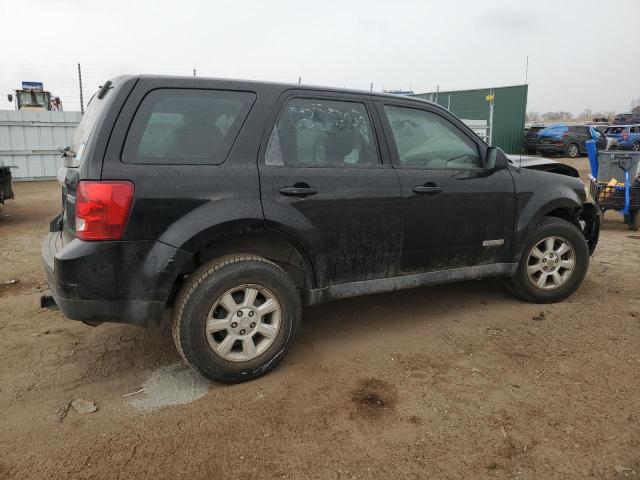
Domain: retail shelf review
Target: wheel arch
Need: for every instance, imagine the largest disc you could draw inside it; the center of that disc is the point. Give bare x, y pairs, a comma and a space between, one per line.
250, 237
565, 207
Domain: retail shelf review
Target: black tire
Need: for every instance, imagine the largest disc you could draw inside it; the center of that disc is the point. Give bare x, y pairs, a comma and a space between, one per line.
631, 219
200, 293
573, 150
636, 146
547, 227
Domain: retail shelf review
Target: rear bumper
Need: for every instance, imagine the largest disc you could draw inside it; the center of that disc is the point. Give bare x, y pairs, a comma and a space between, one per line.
124, 282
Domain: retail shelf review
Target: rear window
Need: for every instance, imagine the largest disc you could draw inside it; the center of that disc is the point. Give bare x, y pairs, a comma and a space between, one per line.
94, 111
613, 130
174, 126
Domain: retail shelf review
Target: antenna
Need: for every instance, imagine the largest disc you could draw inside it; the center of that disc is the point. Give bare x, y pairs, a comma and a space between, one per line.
80, 84
526, 86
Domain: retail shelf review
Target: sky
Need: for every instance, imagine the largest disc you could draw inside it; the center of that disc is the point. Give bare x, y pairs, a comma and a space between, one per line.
575, 48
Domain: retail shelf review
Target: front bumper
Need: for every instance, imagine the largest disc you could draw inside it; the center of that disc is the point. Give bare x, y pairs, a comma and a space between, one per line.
124, 281
590, 217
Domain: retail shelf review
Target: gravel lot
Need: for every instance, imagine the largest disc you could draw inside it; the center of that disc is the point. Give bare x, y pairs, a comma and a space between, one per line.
455, 381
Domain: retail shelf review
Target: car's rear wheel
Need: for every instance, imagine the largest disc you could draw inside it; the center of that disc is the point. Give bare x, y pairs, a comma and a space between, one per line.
236, 318
573, 150
553, 263
636, 146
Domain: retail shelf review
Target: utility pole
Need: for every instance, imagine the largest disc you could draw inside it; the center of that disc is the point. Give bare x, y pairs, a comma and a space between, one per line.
526, 71
299, 80
371, 87
194, 72
80, 83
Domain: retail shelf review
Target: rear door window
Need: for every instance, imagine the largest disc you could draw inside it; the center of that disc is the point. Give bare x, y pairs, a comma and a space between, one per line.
180, 126
322, 133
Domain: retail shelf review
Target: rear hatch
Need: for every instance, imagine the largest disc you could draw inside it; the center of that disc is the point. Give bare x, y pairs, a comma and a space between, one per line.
83, 158
532, 135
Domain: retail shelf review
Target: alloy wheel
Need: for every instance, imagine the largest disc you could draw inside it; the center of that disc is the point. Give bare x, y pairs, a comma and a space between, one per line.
243, 322
550, 263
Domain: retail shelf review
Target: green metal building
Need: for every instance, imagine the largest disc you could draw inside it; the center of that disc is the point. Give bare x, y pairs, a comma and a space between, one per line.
505, 123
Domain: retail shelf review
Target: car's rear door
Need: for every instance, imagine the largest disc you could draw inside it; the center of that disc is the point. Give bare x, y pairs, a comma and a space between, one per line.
456, 213
327, 185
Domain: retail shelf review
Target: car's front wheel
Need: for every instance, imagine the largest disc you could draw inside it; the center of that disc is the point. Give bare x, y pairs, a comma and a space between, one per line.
236, 317
554, 262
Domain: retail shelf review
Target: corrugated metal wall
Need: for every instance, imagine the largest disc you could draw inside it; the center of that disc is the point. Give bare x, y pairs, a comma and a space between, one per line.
29, 140
510, 105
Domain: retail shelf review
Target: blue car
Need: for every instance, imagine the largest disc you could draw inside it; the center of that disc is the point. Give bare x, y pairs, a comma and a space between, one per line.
627, 136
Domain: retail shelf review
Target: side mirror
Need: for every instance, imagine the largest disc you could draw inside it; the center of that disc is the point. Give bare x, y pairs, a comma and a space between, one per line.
10, 97
496, 159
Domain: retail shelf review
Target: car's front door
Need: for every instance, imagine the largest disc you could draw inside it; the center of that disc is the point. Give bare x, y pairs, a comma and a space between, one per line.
326, 184
457, 213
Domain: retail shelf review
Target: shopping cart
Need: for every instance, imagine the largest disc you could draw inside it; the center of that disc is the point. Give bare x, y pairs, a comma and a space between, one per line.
615, 182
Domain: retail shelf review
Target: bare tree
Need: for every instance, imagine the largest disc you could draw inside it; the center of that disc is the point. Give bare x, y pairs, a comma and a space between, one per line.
605, 113
533, 117
557, 116
586, 115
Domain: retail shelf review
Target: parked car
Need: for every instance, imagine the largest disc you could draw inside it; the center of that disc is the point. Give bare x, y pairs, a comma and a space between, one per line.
237, 202
600, 120
627, 136
568, 140
626, 118
530, 143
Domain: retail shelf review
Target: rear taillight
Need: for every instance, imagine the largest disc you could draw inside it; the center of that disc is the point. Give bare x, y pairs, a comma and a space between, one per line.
102, 209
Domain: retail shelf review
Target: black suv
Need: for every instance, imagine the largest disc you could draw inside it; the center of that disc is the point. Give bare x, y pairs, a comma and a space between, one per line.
238, 202
571, 143
530, 141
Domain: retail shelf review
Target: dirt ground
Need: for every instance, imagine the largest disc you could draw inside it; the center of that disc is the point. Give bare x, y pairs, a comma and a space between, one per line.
455, 381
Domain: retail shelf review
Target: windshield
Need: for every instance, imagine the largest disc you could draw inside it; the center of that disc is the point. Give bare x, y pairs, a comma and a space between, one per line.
28, 98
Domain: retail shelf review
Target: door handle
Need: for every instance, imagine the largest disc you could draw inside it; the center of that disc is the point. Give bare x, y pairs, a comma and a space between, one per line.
298, 191
431, 189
